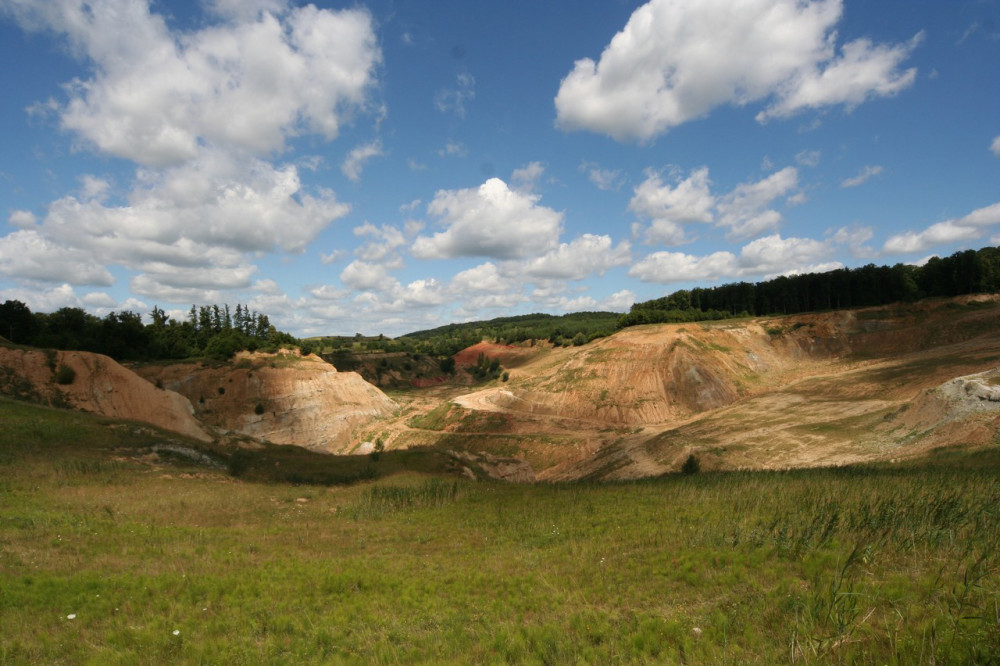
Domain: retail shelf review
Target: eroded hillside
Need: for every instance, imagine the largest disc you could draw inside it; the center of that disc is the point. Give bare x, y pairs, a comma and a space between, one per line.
283, 398
804, 390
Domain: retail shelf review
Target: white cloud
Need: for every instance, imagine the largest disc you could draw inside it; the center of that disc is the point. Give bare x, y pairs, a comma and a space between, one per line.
453, 100
98, 299
364, 276
30, 255
855, 239
23, 219
245, 10
619, 301
584, 256
866, 174
524, 179
995, 146
489, 221
482, 278
248, 83
676, 61
770, 255
745, 212
355, 161
43, 300
669, 208
970, 227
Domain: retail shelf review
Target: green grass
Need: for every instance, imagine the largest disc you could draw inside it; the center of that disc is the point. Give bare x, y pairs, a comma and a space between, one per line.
880, 564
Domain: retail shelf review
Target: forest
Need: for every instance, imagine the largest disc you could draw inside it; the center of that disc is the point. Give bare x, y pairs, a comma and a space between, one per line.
211, 331
966, 272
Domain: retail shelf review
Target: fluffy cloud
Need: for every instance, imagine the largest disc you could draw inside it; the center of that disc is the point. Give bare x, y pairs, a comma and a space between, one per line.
489, 221
201, 111
866, 174
995, 146
744, 211
483, 278
584, 256
29, 254
207, 213
669, 208
970, 227
675, 61
770, 255
364, 276
248, 83
22, 218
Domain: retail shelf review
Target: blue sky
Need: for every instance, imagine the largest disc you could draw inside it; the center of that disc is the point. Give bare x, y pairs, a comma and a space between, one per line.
388, 166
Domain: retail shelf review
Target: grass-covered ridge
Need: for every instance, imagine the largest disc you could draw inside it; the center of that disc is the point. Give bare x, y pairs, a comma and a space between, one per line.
183, 563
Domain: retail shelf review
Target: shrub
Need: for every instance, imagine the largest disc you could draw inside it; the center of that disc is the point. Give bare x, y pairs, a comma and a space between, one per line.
692, 465
65, 374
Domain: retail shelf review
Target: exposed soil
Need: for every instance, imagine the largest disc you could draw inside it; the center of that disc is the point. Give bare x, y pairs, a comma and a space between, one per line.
799, 391
283, 398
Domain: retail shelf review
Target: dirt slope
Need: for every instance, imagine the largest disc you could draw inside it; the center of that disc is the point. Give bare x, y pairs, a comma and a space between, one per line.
100, 385
805, 390
285, 399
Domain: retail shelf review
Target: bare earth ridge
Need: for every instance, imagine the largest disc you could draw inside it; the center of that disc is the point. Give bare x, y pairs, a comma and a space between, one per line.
808, 390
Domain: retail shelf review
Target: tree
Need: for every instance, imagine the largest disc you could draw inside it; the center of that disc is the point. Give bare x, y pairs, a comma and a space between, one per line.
16, 322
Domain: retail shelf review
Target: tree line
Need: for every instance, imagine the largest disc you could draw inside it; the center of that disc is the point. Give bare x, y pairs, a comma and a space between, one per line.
211, 331
966, 272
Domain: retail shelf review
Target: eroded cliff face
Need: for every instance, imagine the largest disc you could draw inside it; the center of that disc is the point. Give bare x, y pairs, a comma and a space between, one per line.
99, 385
283, 398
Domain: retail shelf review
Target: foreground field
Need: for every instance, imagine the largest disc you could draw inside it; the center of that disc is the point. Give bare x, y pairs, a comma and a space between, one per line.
108, 556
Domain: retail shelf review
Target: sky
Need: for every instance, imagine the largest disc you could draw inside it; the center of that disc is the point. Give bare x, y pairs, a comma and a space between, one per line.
387, 166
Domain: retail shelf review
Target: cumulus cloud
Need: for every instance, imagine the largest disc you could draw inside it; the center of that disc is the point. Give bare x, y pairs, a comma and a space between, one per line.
580, 258
247, 83
669, 208
22, 218
745, 211
482, 278
355, 161
970, 227
489, 221
866, 174
676, 61
29, 254
770, 255
995, 146
364, 276
202, 112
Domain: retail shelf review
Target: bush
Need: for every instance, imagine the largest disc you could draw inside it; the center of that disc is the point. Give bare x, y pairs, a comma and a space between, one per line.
65, 374
692, 465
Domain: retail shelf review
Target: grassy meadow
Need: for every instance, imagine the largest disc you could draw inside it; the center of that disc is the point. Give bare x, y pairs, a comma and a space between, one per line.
107, 558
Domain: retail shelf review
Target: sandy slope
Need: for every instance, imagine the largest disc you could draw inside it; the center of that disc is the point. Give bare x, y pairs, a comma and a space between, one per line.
284, 399
104, 387
797, 391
